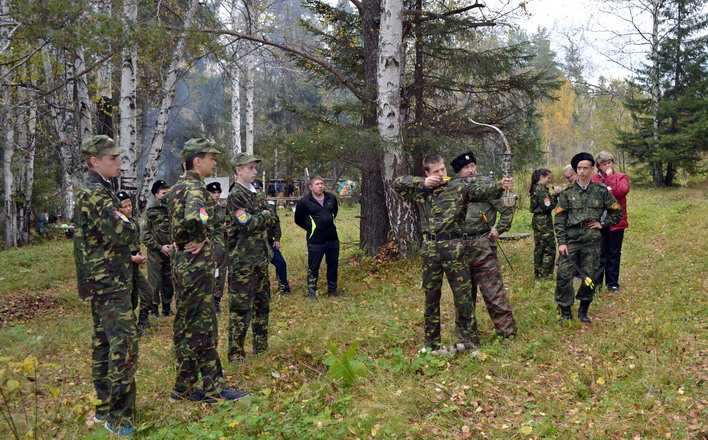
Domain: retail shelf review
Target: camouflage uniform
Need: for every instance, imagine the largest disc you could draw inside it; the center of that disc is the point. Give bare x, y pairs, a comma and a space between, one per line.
444, 251
577, 207
484, 266
544, 250
101, 254
195, 341
222, 261
139, 287
157, 234
249, 255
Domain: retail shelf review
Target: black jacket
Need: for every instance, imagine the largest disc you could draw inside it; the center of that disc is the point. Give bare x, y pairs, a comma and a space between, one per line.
308, 210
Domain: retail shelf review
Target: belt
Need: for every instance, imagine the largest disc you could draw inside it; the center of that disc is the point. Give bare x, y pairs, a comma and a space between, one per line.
444, 236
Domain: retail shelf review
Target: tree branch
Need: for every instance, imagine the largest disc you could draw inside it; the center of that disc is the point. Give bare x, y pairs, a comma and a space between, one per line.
293, 50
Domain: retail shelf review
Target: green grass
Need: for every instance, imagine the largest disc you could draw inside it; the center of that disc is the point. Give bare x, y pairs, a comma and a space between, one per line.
638, 370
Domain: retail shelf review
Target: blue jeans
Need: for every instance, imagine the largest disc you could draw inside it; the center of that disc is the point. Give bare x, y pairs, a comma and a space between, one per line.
281, 269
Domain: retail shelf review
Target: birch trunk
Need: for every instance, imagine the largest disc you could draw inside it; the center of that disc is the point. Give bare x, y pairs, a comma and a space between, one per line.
61, 122
9, 214
174, 73
250, 88
401, 216
655, 86
235, 109
104, 80
127, 134
29, 144
83, 101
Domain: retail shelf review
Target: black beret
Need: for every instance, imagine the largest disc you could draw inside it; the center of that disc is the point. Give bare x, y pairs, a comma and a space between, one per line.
579, 158
214, 187
462, 160
122, 195
158, 185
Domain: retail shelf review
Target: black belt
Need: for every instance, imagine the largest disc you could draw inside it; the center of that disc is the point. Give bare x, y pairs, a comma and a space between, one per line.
444, 236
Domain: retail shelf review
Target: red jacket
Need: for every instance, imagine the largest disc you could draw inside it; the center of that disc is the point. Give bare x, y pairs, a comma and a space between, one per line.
618, 184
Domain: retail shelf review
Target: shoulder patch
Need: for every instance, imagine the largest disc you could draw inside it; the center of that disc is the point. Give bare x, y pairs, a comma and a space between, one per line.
616, 206
558, 210
203, 215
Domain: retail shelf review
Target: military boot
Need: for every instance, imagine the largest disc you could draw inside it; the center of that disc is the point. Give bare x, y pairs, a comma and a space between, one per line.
583, 312
166, 310
143, 322
566, 314
284, 289
155, 310
312, 293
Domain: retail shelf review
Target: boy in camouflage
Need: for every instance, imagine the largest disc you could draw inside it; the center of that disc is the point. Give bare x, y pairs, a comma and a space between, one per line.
542, 202
442, 204
139, 287
578, 224
101, 244
250, 219
219, 235
482, 231
159, 245
191, 209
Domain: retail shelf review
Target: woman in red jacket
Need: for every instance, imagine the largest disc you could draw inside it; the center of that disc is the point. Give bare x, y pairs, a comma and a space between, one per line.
618, 184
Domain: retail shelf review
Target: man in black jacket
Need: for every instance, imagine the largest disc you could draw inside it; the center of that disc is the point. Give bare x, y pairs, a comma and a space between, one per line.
315, 213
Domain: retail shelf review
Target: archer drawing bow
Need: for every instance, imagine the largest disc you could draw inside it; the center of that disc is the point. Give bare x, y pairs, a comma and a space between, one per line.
509, 198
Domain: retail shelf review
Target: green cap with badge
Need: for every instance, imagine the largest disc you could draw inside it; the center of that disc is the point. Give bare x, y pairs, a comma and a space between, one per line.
245, 158
198, 145
99, 145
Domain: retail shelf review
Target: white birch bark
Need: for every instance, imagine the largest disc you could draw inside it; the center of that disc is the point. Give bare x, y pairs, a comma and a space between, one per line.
83, 101
61, 122
104, 82
174, 73
128, 130
29, 145
655, 90
250, 109
9, 214
235, 109
402, 218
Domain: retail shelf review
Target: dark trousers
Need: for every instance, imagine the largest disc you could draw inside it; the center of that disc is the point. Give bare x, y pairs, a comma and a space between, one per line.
281, 267
610, 257
315, 252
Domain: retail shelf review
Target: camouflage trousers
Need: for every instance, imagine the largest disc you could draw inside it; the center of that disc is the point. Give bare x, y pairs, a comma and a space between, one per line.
451, 259
115, 355
141, 292
249, 302
194, 338
160, 277
586, 255
544, 246
486, 274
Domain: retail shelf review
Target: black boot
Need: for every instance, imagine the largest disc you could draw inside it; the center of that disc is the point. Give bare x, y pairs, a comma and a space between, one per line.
166, 310
312, 293
583, 312
284, 289
155, 310
566, 314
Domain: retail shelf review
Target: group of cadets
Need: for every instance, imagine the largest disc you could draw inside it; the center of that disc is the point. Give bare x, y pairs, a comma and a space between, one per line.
193, 244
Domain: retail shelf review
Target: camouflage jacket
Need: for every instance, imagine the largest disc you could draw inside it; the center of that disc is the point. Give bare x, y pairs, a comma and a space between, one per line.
219, 230
157, 227
248, 234
577, 206
133, 231
443, 209
482, 216
542, 202
101, 239
191, 207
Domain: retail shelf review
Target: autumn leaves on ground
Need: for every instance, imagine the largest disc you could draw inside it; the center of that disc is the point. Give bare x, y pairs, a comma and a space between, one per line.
347, 367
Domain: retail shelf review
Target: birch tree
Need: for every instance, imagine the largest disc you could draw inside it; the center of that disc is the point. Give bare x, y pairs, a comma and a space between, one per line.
104, 83
174, 73
235, 75
83, 101
9, 214
251, 58
128, 130
402, 217
27, 140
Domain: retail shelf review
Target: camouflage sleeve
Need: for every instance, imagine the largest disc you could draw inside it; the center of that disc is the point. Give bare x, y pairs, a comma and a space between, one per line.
409, 187
540, 196
506, 216
483, 190
113, 225
82, 271
614, 209
196, 215
559, 222
249, 221
274, 232
134, 245
149, 236
219, 227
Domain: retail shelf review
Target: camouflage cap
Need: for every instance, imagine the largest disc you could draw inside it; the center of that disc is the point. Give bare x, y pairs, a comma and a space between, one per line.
245, 159
99, 145
198, 145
